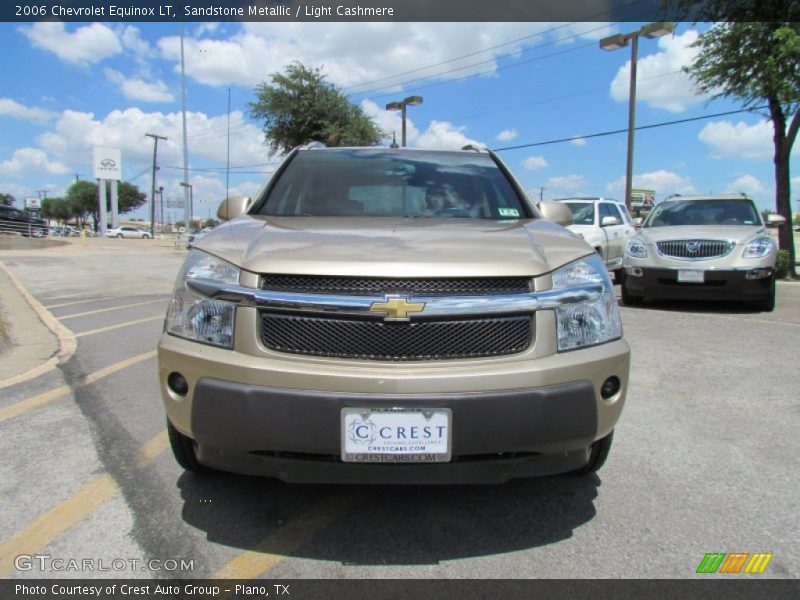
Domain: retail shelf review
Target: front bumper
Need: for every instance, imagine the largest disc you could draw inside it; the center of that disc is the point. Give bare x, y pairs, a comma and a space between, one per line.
718, 284
264, 413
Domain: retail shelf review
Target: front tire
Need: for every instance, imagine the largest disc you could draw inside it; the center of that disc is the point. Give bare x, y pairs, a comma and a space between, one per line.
119, 236
629, 299
597, 455
767, 304
184, 451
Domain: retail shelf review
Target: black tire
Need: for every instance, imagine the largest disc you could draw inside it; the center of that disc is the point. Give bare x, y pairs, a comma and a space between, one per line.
767, 304
618, 275
629, 299
145, 237
597, 455
119, 235
183, 449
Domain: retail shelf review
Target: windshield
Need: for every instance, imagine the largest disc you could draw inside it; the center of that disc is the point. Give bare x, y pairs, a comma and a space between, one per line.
359, 182
704, 212
582, 212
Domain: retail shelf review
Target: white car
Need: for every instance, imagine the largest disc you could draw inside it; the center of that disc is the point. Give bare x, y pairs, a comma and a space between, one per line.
606, 226
128, 232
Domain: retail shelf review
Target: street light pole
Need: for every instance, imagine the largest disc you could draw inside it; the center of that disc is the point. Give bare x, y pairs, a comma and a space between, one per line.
401, 106
615, 42
153, 182
191, 204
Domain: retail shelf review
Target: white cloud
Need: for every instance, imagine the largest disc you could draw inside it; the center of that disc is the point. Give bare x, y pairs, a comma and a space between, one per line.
660, 80
442, 135
534, 163
86, 45
726, 140
14, 109
131, 40
77, 133
749, 185
566, 183
349, 53
138, 89
31, 161
580, 142
663, 182
507, 135
20, 192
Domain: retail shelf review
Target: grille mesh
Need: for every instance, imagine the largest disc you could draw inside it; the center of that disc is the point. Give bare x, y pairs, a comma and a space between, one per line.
380, 340
368, 286
697, 249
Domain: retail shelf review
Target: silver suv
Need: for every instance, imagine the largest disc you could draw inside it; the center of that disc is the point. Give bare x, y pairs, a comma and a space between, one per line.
703, 248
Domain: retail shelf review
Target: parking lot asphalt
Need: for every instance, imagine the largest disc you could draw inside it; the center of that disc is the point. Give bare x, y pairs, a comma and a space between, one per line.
705, 459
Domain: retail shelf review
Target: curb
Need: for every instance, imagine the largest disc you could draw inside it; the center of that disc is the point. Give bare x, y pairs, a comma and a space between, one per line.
67, 342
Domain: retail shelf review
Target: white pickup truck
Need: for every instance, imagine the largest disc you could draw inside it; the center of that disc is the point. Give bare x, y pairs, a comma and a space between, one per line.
606, 225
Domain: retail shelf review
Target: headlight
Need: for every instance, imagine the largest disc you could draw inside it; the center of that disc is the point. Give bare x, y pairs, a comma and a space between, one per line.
759, 247
197, 318
636, 248
586, 323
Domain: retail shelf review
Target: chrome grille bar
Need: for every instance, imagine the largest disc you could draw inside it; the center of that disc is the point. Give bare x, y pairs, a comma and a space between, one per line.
694, 249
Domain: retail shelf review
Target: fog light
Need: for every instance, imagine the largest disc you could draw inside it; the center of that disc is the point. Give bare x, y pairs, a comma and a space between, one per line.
178, 384
634, 271
758, 273
610, 387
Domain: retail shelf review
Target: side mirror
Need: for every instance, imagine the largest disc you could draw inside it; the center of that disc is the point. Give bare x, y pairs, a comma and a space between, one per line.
556, 211
608, 221
233, 207
775, 220
637, 222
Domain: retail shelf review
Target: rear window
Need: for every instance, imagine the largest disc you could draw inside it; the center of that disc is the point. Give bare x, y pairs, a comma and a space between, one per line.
358, 182
582, 212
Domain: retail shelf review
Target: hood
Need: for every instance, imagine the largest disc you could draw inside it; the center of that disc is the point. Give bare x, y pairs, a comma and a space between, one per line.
740, 234
397, 247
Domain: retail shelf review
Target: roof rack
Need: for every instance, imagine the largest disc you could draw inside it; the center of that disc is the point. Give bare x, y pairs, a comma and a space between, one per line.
315, 145
474, 148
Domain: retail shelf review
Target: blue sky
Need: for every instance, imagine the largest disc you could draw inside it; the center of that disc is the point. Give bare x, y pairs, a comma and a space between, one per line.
70, 87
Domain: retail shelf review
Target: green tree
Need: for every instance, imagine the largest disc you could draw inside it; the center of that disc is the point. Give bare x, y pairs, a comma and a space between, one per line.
57, 209
83, 199
300, 106
756, 60
7, 199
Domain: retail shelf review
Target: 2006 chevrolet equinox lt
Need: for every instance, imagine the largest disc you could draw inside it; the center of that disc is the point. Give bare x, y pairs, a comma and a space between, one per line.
384, 315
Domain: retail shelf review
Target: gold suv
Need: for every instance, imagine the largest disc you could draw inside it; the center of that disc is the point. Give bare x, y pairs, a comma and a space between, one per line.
383, 315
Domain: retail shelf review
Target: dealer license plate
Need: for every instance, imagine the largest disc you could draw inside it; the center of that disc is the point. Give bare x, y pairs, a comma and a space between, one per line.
691, 276
396, 435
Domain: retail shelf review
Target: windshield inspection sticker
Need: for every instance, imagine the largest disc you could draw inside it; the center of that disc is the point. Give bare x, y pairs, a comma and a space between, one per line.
508, 212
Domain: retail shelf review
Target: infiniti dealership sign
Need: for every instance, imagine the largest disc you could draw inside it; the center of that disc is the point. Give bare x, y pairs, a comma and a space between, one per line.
107, 163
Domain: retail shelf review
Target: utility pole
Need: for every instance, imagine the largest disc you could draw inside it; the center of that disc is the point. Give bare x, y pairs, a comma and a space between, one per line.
186, 197
541, 194
153, 182
77, 177
42, 193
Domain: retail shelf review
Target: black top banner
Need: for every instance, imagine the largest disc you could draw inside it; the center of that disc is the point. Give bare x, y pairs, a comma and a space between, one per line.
334, 10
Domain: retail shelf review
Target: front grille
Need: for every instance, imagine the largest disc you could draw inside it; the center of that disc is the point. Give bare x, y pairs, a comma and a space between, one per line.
694, 249
381, 340
376, 286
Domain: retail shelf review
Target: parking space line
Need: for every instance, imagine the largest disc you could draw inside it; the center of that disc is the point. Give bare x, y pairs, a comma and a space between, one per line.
152, 449
45, 397
77, 295
68, 513
56, 521
276, 547
119, 326
84, 301
34, 402
102, 310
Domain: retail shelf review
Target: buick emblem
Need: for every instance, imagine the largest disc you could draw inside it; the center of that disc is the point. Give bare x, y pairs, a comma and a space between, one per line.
692, 247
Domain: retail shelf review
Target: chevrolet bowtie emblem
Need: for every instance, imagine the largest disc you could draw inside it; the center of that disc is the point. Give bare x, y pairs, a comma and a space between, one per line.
396, 308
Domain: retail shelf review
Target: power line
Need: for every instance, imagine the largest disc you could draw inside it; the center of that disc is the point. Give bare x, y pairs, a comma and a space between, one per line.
616, 131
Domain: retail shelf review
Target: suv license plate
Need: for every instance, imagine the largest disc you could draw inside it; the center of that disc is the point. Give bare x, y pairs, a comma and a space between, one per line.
396, 435
691, 276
